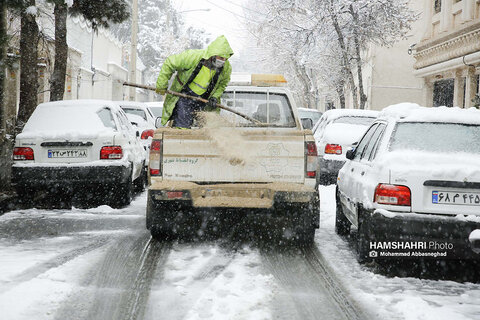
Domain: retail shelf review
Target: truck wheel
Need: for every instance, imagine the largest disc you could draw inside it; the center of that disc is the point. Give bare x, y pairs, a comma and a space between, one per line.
342, 224
160, 234
363, 240
306, 238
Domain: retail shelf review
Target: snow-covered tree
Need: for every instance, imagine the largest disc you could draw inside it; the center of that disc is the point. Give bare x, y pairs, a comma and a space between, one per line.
161, 32
328, 37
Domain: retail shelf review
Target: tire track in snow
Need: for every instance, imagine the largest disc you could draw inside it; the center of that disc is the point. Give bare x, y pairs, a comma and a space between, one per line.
309, 289
117, 287
53, 263
333, 285
175, 296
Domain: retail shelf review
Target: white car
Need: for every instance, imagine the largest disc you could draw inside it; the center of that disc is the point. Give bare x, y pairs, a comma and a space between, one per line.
412, 185
76, 146
335, 132
156, 108
313, 114
140, 109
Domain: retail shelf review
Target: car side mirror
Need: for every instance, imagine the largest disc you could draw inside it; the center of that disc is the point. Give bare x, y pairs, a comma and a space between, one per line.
158, 122
137, 133
350, 154
307, 123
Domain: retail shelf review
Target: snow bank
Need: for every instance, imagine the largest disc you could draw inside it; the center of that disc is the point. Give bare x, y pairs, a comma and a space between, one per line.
411, 112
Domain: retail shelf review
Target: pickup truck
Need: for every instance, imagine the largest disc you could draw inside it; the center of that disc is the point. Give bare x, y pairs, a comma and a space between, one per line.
264, 170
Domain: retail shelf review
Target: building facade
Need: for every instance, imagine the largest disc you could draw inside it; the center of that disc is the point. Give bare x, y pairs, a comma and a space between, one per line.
448, 55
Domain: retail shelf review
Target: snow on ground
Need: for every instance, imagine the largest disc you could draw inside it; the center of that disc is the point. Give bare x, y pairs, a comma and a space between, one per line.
207, 282
40, 297
392, 298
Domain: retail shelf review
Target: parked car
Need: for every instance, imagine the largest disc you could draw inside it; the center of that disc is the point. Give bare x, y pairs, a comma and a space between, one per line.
140, 109
156, 108
314, 115
335, 132
77, 146
412, 185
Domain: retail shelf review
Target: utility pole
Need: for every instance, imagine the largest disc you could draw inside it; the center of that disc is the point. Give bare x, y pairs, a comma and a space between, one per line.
133, 50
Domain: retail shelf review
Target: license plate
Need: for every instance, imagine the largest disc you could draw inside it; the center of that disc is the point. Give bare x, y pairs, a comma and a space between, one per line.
79, 153
459, 198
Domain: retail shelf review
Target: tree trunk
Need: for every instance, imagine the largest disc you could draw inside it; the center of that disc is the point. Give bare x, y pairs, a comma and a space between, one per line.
346, 62
57, 86
3, 57
340, 88
28, 68
358, 58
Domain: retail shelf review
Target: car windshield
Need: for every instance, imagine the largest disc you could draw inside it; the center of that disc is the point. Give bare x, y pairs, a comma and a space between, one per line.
364, 121
436, 137
272, 109
314, 115
157, 111
135, 111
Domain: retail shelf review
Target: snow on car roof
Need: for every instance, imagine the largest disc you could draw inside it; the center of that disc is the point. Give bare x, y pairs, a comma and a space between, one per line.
412, 112
131, 104
337, 113
308, 109
67, 119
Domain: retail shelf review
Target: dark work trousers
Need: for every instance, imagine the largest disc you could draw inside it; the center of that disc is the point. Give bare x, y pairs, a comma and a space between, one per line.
185, 110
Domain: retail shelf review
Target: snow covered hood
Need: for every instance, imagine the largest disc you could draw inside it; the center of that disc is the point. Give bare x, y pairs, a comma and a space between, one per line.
411, 112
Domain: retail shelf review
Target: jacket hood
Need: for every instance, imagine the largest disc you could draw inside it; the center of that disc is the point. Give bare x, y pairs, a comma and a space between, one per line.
219, 47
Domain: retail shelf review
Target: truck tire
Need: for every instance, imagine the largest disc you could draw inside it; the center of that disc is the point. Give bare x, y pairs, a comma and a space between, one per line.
160, 234
342, 224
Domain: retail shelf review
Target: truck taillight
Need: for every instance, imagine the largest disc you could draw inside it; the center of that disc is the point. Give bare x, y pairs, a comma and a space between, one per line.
333, 149
156, 158
147, 134
111, 153
311, 159
392, 195
21, 153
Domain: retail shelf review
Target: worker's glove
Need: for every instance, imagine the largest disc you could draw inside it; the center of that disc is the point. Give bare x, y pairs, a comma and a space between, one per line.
161, 91
212, 102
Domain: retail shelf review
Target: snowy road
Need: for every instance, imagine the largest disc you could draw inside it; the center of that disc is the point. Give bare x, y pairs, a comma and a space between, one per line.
101, 264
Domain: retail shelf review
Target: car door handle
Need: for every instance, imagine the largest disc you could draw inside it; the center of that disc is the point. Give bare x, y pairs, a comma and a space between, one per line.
351, 169
363, 172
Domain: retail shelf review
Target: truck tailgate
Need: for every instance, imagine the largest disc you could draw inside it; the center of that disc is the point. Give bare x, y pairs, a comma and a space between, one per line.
249, 155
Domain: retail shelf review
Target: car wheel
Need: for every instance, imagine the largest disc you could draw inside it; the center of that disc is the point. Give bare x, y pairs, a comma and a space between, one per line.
363, 240
342, 224
123, 195
141, 181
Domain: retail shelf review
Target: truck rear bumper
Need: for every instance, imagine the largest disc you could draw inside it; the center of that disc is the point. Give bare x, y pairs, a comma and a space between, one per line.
233, 195
292, 204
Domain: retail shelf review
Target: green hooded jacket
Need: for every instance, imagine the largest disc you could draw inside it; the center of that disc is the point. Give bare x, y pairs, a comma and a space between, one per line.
185, 63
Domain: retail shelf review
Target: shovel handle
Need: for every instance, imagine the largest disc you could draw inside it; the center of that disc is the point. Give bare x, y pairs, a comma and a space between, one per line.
182, 95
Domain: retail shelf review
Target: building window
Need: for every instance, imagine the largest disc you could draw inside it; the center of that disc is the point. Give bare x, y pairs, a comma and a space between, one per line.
438, 6
443, 93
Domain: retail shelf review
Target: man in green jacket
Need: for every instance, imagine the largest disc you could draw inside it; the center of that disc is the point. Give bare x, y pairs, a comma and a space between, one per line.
201, 73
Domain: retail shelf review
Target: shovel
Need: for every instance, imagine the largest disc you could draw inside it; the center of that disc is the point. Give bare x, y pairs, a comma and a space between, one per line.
182, 95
